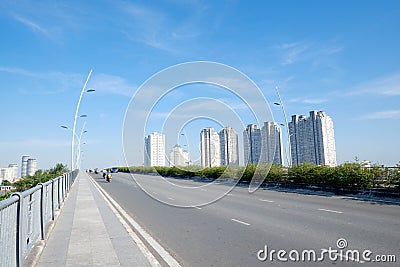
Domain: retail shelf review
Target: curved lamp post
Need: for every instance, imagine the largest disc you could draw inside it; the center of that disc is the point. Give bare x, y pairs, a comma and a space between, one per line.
76, 116
79, 138
289, 154
78, 156
187, 148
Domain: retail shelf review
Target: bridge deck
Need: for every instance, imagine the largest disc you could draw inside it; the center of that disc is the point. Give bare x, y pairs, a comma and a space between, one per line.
88, 233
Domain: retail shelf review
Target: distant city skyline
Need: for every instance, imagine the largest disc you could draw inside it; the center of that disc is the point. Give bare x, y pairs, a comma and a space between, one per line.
311, 139
11, 172
338, 56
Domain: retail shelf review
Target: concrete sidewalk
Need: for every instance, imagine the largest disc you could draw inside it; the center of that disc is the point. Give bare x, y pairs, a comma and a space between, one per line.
88, 233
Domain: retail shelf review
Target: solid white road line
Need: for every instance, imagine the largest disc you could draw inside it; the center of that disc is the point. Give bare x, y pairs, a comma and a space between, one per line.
150, 257
197, 208
334, 211
150, 240
238, 221
266, 200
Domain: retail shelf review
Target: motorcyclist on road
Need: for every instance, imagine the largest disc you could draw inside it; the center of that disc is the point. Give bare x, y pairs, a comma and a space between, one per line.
109, 176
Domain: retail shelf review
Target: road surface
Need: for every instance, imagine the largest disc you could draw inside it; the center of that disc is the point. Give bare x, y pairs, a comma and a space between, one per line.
235, 230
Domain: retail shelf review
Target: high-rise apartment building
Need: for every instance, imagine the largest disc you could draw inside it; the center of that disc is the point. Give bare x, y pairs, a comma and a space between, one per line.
229, 146
271, 136
312, 139
154, 150
14, 170
252, 144
5, 175
210, 148
24, 166
179, 157
31, 167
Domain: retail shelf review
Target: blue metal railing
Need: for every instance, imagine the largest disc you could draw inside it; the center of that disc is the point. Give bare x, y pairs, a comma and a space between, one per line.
24, 216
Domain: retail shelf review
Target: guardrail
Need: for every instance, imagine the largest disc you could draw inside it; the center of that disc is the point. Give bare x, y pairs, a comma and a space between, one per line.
24, 216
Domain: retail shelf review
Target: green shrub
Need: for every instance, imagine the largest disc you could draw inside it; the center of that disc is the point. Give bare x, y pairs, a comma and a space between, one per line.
345, 175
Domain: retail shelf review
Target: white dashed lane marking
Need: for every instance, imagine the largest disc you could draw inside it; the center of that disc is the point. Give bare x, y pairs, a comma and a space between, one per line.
333, 211
242, 222
266, 200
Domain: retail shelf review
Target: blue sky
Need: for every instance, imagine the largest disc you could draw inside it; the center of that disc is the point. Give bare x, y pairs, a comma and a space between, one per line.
338, 56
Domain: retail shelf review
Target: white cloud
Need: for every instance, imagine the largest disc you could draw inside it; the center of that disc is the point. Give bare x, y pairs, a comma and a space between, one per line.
293, 53
35, 142
288, 45
52, 82
147, 26
388, 85
111, 84
387, 114
56, 82
17, 71
305, 100
299, 51
35, 27
153, 27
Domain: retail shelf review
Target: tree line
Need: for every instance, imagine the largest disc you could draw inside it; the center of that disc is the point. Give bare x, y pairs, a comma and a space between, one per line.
40, 176
349, 174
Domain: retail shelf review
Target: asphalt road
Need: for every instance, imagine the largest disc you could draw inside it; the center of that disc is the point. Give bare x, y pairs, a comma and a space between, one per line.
232, 230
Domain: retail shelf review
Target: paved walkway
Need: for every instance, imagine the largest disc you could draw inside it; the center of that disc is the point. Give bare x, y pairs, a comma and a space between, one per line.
88, 233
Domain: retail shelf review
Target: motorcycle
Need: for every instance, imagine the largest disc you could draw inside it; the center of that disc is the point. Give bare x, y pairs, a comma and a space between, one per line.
109, 177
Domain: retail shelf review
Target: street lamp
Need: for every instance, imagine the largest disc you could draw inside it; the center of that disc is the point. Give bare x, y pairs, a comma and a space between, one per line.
78, 157
76, 115
79, 138
289, 154
72, 158
187, 148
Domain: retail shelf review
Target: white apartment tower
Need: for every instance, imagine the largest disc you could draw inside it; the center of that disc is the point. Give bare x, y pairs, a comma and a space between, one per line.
24, 166
154, 150
14, 170
210, 148
271, 136
252, 144
312, 139
229, 146
31, 167
178, 157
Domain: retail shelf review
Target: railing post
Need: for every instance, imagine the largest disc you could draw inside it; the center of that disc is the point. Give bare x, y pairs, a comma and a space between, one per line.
42, 208
68, 183
18, 235
63, 187
58, 192
52, 200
